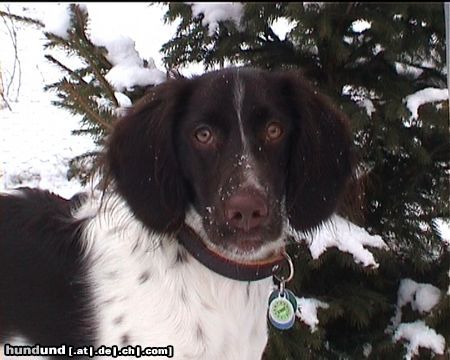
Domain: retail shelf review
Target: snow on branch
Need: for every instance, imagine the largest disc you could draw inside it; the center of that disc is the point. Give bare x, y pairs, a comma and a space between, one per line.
128, 68
422, 298
346, 236
424, 96
418, 334
307, 311
408, 70
213, 13
361, 96
57, 20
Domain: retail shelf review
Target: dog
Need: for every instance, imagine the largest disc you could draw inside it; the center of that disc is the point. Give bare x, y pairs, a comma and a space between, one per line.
207, 179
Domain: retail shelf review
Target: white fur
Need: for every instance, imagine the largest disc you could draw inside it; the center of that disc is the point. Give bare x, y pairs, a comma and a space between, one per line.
194, 220
238, 102
250, 177
245, 160
202, 314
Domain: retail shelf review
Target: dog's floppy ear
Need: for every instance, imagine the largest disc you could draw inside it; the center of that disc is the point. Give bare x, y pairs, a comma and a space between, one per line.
321, 157
141, 158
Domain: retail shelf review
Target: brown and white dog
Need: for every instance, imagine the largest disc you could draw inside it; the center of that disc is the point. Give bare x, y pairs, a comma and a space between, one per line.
209, 177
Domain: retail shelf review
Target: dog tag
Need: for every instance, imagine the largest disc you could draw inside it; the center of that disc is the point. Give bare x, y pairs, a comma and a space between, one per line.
283, 302
282, 308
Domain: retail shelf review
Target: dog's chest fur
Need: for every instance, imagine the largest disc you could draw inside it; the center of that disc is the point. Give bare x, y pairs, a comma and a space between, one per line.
149, 291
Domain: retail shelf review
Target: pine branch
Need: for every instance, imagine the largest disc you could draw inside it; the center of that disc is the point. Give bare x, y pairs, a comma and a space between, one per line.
23, 19
57, 41
72, 91
107, 87
88, 55
69, 71
82, 34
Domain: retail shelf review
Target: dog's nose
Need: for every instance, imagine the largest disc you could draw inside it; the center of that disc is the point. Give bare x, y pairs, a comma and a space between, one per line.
246, 210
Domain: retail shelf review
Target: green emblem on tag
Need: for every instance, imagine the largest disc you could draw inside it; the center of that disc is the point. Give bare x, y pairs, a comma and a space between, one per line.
281, 310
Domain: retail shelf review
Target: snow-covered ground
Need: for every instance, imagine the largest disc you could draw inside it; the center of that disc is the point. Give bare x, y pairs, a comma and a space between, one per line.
35, 137
36, 145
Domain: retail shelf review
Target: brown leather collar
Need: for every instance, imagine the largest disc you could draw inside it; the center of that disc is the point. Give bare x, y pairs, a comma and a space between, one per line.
248, 271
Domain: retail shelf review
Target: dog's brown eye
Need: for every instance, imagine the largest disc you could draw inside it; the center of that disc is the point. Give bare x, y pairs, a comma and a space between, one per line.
204, 135
274, 131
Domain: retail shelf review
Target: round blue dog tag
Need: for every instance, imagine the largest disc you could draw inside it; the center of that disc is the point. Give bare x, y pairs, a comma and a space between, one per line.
282, 308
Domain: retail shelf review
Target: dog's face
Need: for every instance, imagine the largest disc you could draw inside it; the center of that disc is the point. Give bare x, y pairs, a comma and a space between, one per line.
246, 150
232, 145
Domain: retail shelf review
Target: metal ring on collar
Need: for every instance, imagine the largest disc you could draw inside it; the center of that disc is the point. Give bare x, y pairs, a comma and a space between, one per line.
291, 269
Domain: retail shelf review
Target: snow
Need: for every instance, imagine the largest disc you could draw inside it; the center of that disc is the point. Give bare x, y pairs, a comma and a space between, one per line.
422, 297
424, 96
307, 311
142, 22
367, 104
217, 12
282, 26
346, 236
128, 68
123, 77
57, 20
123, 100
418, 334
103, 103
367, 350
444, 230
359, 26
405, 69
121, 49
37, 143
360, 96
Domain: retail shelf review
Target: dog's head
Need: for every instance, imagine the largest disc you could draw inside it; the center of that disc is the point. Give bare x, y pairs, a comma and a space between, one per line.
247, 151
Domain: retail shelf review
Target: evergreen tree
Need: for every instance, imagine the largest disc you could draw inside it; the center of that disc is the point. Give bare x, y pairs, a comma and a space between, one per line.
404, 160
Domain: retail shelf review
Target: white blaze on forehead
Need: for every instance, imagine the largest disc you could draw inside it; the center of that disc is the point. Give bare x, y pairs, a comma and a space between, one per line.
245, 160
250, 177
238, 101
